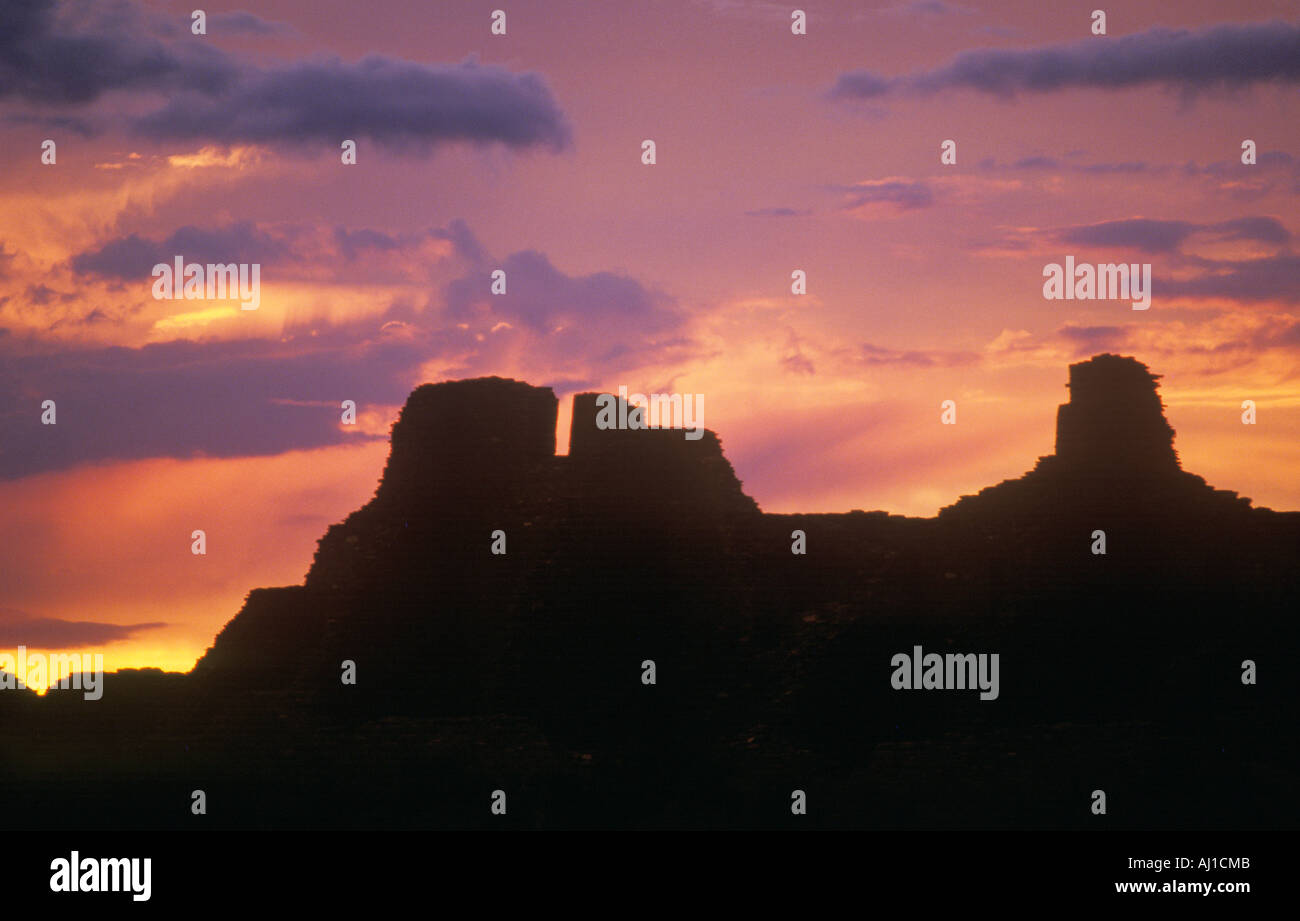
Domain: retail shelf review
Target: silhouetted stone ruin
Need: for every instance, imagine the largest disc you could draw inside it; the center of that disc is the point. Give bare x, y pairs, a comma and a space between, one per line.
523, 670
1114, 419
477, 437
1114, 455
659, 468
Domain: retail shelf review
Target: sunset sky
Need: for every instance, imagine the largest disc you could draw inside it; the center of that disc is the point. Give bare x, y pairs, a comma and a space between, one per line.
523, 151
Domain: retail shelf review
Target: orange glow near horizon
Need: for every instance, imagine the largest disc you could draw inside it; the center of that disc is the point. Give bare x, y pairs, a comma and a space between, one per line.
111, 544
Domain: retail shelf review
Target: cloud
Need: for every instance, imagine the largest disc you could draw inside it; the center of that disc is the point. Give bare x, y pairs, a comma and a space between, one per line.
1260, 229
249, 23
133, 257
798, 363
43, 294
1090, 339
1128, 167
862, 84
779, 212
466, 244
932, 8
1283, 333
903, 194
1232, 55
188, 399
341, 254
249, 397
1035, 162
18, 629
74, 53
83, 127
1277, 159
396, 103
352, 242
1152, 236
1055, 164
1157, 236
1275, 172
1272, 278
874, 355
543, 299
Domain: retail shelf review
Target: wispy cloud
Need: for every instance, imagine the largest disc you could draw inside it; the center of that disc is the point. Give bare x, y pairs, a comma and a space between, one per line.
1158, 236
779, 212
19, 629
897, 192
1232, 55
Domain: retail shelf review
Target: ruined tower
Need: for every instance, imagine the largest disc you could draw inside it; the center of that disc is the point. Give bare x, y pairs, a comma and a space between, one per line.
1114, 419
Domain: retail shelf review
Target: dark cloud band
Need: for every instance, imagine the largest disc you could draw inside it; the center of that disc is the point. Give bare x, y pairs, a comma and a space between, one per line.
17, 629
62, 54
1226, 56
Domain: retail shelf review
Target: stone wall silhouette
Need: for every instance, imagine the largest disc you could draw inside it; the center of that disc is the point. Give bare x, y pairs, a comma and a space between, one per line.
1114, 419
642, 545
